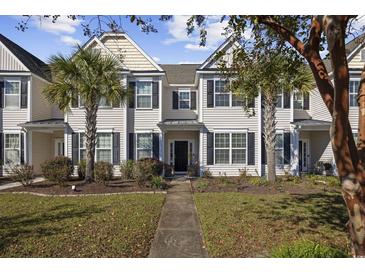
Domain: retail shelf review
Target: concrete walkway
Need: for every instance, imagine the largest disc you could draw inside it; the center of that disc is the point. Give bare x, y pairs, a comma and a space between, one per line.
178, 234
15, 184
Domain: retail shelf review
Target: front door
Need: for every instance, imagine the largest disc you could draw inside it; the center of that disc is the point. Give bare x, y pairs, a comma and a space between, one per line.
303, 155
181, 156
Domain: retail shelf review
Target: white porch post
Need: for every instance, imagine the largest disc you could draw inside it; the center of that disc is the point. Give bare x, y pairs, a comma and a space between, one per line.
162, 146
294, 132
201, 163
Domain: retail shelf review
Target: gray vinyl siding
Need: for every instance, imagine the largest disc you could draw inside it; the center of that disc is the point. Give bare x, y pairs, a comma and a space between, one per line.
318, 108
356, 61
41, 109
141, 119
9, 62
301, 114
169, 113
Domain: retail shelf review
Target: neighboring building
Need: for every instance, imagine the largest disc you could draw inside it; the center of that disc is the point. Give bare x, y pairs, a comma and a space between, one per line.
180, 114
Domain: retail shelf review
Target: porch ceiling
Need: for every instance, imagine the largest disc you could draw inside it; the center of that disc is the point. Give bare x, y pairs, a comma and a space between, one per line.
180, 124
311, 124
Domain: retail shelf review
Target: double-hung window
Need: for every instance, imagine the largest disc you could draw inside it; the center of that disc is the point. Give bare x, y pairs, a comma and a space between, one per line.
279, 149
103, 149
12, 93
238, 148
184, 99
144, 94
298, 100
144, 145
279, 100
221, 148
12, 149
230, 148
221, 94
353, 91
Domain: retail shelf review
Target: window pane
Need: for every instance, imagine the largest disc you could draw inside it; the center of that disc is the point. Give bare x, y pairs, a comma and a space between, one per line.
144, 141
184, 95
222, 140
279, 141
144, 101
82, 140
103, 155
222, 100
219, 86
103, 102
298, 100
279, 156
222, 156
12, 156
238, 140
184, 104
82, 154
144, 88
12, 100
238, 156
237, 100
104, 140
12, 141
12, 87
279, 101
145, 153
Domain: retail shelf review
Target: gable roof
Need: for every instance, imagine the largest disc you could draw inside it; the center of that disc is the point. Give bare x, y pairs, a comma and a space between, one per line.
32, 63
180, 74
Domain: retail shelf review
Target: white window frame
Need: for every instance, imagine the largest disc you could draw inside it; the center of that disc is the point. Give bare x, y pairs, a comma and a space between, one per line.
353, 93
238, 148
296, 93
95, 159
136, 143
185, 100
229, 93
143, 95
230, 132
281, 149
18, 149
281, 95
8, 80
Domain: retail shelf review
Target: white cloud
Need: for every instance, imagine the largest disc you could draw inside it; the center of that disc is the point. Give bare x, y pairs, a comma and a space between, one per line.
190, 62
196, 47
60, 26
156, 58
69, 40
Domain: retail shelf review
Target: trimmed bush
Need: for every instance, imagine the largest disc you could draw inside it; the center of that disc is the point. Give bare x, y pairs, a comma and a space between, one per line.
307, 249
103, 172
207, 174
127, 170
22, 173
169, 170
145, 169
81, 170
193, 170
58, 170
157, 182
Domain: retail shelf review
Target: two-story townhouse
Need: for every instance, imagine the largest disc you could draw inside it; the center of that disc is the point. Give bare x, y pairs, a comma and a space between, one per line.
31, 130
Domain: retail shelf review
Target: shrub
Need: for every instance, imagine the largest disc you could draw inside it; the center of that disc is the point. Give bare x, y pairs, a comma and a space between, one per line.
22, 173
307, 249
58, 170
201, 185
193, 170
81, 170
243, 176
103, 172
207, 174
332, 181
127, 170
223, 180
258, 181
145, 169
168, 170
157, 182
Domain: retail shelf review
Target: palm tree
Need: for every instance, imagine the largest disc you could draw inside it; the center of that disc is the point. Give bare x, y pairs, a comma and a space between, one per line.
90, 76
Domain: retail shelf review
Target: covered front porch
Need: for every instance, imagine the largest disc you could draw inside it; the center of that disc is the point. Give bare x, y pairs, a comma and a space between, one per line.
181, 144
45, 140
310, 145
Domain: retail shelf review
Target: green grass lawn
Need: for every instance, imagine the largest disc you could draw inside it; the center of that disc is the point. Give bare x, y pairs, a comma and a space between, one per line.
93, 226
249, 225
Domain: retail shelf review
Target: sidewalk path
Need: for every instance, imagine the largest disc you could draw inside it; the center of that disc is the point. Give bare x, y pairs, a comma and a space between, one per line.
179, 234
15, 184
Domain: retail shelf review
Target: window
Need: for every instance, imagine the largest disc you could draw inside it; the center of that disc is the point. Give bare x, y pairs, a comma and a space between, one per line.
238, 148
222, 146
237, 100
144, 94
144, 145
279, 100
230, 148
12, 94
353, 91
298, 100
184, 99
363, 55
103, 150
279, 149
221, 94
12, 149
355, 135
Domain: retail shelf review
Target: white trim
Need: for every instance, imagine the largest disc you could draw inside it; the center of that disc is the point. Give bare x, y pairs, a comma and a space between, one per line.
136, 142
14, 132
354, 51
96, 149
56, 142
13, 80
306, 140
259, 133
354, 79
29, 137
182, 85
148, 73
292, 106
136, 95
20, 73
178, 102
230, 148
160, 101
29, 96
229, 130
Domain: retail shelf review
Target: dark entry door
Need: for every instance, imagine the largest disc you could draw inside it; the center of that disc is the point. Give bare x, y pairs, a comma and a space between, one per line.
181, 155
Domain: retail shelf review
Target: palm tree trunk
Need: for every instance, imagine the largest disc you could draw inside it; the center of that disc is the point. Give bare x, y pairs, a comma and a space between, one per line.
90, 135
270, 135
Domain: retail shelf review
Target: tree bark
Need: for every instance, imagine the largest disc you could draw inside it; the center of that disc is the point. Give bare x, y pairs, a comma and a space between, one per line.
90, 136
270, 135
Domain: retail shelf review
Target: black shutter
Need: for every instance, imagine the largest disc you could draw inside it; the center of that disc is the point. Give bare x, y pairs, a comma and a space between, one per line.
155, 95
156, 145
75, 148
1, 148
132, 94
306, 101
210, 93
251, 102
286, 148
22, 145
2, 87
210, 148
251, 148
75, 100
131, 146
175, 100
116, 148
263, 150
24, 93
286, 99
193, 100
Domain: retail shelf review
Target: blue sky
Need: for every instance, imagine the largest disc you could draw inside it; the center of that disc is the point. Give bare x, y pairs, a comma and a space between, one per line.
169, 45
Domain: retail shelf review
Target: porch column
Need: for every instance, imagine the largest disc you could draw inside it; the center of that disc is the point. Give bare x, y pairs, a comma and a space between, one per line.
294, 147
162, 146
201, 159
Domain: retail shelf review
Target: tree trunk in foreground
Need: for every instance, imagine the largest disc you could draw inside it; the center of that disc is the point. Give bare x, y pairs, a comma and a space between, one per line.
90, 136
270, 135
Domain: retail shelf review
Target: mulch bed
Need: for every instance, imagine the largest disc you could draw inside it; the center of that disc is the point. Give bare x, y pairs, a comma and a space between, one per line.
50, 188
